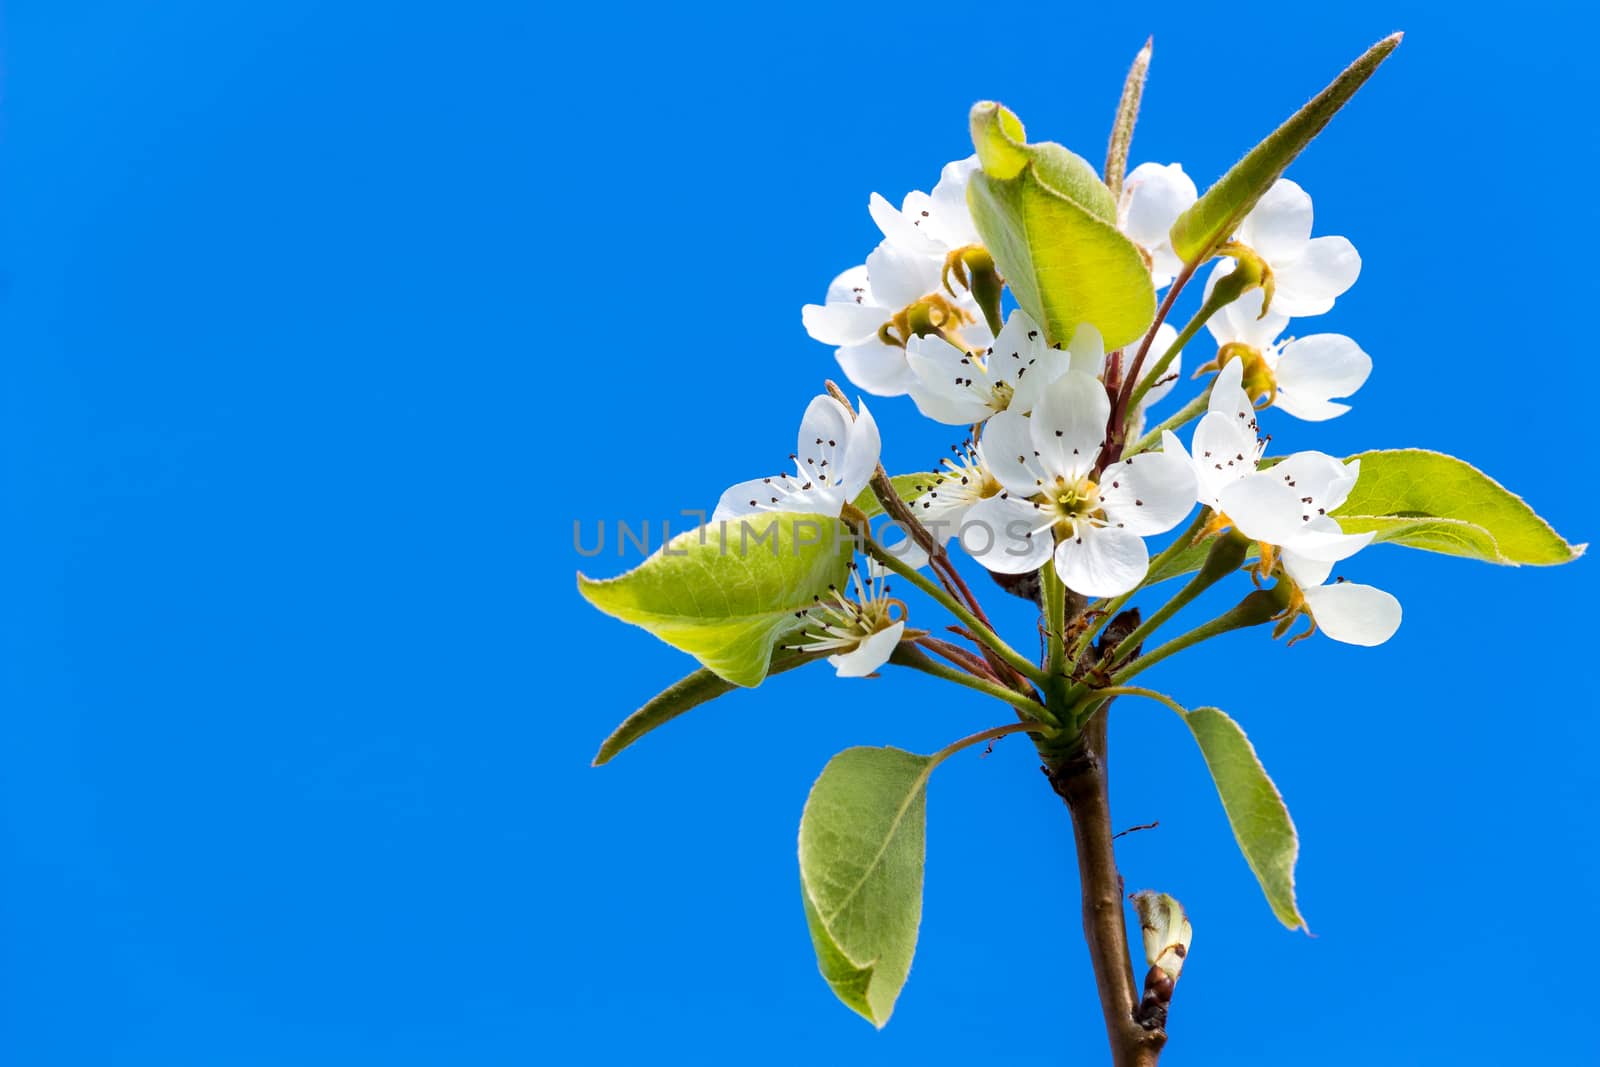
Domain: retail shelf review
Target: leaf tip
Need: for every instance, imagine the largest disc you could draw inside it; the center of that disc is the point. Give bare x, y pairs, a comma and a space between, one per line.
998, 136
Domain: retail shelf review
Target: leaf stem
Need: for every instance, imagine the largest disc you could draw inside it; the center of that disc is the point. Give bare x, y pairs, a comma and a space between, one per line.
1120, 409
906, 655
985, 635
1190, 328
988, 735
1148, 694
1226, 556
1114, 606
1259, 607
1185, 415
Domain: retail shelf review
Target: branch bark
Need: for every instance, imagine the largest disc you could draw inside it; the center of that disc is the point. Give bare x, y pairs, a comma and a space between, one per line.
1079, 778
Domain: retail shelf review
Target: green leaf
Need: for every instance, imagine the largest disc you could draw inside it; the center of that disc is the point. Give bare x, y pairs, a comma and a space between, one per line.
1050, 223
728, 592
686, 694
1438, 503
1256, 811
1212, 219
907, 486
861, 855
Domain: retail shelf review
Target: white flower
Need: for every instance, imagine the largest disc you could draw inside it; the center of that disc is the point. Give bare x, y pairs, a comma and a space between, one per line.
1309, 272
1288, 506
834, 460
1299, 375
1047, 464
871, 311
940, 218
862, 633
957, 387
946, 498
1153, 196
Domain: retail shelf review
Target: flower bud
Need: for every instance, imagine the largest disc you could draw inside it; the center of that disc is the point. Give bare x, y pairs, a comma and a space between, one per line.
1166, 934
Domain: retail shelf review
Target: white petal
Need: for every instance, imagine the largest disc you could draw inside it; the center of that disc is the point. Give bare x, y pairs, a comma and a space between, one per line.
1069, 425
1087, 350
1153, 196
1224, 452
942, 389
1262, 508
1002, 533
1305, 571
850, 287
903, 274
894, 225
859, 460
1309, 284
1020, 357
1354, 614
1006, 448
1149, 493
870, 654
1320, 541
1228, 395
1102, 561
823, 427
759, 495
878, 368
1280, 224
842, 324
950, 220
1313, 370
1320, 482
950, 410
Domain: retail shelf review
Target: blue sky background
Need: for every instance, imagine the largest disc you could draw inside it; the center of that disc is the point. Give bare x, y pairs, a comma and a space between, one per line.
322, 323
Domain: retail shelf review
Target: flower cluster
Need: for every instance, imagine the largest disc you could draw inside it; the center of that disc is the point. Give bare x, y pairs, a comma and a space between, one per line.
1052, 473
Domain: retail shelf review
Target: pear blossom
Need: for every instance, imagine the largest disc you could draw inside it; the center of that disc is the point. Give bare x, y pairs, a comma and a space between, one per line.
871, 312
1289, 507
942, 504
958, 387
1058, 503
1308, 273
834, 460
1153, 196
940, 218
1299, 375
861, 632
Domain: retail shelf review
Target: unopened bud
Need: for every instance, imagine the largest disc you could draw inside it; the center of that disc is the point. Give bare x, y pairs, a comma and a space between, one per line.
1166, 933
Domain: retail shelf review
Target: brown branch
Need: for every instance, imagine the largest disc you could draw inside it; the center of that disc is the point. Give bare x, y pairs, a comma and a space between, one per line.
1079, 778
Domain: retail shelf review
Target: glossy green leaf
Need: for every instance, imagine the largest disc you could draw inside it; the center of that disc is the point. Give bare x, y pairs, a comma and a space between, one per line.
1212, 219
726, 593
1438, 503
861, 855
1256, 811
1050, 224
685, 695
